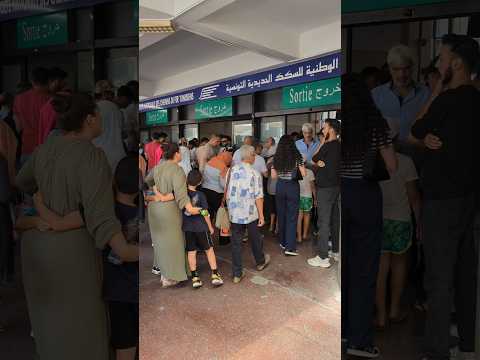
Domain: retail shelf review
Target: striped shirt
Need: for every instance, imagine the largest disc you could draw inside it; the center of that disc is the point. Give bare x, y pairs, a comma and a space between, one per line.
289, 174
353, 168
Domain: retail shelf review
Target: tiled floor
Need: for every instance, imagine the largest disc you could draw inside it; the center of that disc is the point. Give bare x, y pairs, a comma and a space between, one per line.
288, 311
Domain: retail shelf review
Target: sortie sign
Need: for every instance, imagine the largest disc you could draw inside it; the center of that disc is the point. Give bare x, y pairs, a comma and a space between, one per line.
156, 117
42, 30
317, 93
214, 108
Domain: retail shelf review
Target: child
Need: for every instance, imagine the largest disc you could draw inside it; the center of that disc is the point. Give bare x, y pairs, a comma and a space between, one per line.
307, 200
198, 230
121, 282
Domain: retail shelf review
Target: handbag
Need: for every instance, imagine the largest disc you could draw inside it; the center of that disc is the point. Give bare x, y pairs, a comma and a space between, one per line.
374, 168
222, 219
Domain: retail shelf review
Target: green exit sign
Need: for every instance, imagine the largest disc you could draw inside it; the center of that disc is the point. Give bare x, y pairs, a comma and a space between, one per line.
44, 30
317, 93
157, 117
214, 108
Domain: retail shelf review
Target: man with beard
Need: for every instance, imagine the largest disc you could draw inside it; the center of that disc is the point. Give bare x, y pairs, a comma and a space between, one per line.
326, 167
448, 126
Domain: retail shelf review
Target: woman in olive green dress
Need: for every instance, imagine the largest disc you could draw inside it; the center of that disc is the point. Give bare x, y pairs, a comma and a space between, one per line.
165, 217
61, 270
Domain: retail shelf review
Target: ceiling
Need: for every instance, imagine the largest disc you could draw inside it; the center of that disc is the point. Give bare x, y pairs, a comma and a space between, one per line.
223, 38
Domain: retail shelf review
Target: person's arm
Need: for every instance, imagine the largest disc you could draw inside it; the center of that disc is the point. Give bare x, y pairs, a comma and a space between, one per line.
274, 173
314, 193
259, 200
416, 203
125, 251
159, 197
24, 223
209, 223
181, 193
56, 222
425, 126
390, 158
303, 170
259, 205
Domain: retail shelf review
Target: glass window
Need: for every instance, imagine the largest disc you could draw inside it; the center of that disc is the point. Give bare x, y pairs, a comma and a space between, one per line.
240, 130
190, 132
272, 127
295, 122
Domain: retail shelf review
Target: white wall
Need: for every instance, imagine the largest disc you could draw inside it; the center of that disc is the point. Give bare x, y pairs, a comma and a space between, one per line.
235, 65
321, 40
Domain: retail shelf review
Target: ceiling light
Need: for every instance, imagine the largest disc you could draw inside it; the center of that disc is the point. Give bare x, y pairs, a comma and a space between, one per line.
150, 26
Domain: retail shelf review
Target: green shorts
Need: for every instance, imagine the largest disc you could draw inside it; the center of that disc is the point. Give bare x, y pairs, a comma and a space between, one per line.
306, 204
397, 236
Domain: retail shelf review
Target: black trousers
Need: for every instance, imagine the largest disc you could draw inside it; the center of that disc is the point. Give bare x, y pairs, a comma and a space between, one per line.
7, 247
362, 223
450, 273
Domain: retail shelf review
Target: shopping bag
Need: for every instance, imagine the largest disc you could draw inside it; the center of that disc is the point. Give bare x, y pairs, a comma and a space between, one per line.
222, 221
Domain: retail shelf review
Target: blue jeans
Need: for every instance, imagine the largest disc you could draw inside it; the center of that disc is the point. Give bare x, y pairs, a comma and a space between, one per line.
287, 200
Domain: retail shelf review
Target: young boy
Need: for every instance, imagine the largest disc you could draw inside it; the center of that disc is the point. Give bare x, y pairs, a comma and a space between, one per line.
307, 200
121, 281
198, 230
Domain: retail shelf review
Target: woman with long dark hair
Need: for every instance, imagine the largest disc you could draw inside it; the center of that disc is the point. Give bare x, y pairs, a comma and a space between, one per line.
287, 165
165, 217
364, 131
61, 269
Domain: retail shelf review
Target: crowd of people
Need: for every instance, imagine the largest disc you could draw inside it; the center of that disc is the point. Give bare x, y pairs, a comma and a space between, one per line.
69, 201
200, 193
412, 180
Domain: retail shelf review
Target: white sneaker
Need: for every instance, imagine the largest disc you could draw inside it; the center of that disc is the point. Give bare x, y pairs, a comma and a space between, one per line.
156, 271
317, 261
335, 256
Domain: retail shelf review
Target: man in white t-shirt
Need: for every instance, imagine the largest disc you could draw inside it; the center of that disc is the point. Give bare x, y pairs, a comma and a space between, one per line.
259, 163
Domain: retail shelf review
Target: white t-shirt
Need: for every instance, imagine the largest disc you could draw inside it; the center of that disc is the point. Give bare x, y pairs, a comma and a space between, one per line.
395, 199
259, 164
306, 184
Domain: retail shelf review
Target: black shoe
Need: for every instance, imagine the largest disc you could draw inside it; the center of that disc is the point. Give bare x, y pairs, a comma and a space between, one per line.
368, 352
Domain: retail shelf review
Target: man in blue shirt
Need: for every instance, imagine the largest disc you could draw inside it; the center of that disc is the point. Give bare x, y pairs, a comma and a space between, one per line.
308, 145
401, 99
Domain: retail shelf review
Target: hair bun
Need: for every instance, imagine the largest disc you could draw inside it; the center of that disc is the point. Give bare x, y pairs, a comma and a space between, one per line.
62, 103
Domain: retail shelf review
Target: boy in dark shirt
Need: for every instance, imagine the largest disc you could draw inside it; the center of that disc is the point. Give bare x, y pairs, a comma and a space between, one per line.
198, 230
121, 283
449, 128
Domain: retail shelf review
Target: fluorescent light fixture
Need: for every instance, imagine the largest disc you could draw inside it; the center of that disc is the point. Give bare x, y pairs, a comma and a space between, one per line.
151, 26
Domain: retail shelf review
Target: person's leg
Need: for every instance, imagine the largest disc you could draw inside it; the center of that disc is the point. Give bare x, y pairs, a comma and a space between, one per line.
299, 226
306, 224
381, 292
325, 198
280, 202
126, 354
192, 260
466, 290
273, 224
291, 216
364, 249
335, 223
237, 235
441, 231
256, 242
397, 283
212, 260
